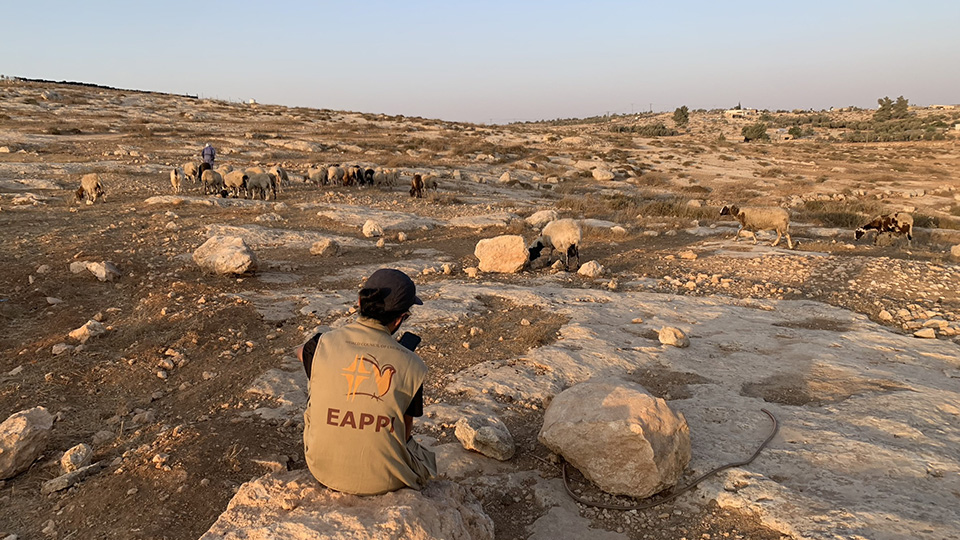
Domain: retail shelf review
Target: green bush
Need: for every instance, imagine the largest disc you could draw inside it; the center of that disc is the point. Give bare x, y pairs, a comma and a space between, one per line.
681, 116
795, 132
755, 132
649, 130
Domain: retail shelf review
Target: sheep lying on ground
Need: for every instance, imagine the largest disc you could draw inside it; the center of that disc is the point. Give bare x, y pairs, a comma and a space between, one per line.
262, 183
236, 181
760, 218
416, 186
897, 223
90, 188
212, 182
177, 177
562, 235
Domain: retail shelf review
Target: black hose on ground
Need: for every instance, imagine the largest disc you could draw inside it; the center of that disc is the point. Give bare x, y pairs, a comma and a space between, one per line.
688, 487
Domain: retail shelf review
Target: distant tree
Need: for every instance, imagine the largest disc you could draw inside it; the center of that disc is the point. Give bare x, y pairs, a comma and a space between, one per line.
755, 132
891, 110
795, 132
681, 116
738, 107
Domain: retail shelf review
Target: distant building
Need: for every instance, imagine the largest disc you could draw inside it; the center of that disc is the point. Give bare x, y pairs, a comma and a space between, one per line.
944, 107
732, 114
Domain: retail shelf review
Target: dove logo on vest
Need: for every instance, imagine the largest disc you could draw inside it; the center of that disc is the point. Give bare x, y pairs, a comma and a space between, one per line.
365, 377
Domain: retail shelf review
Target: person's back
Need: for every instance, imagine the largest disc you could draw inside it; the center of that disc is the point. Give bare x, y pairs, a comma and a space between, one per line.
361, 383
365, 389
208, 154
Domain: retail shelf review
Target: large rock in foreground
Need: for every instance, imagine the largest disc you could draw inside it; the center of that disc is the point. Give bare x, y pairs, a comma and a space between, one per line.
620, 437
23, 436
293, 506
505, 254
225, 255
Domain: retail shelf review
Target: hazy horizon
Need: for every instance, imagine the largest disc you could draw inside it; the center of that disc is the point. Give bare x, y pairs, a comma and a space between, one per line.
498, 62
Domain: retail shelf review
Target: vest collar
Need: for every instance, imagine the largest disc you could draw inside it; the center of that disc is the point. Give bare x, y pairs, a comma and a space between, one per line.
372, 323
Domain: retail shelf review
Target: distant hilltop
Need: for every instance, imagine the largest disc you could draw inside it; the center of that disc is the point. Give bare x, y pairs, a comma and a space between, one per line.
92, 85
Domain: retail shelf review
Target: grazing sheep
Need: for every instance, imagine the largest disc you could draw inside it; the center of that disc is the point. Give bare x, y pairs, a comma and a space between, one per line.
335, 175
354, 175
760, 218
262, 183
317, 175
416, 186
177, 177
235, 181
212, 182
192, 171
281, 176
368, 175
204, 167
897, 223
224, 169
91, 188
562, 235
430, 182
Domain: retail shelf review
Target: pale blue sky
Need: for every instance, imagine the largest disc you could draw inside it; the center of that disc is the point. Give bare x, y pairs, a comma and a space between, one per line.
498, 61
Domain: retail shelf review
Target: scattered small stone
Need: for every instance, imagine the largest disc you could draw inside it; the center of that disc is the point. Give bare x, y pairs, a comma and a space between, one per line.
591, 269
670, 335
90, 329
925, 333
61, 348
75, 458
688, 255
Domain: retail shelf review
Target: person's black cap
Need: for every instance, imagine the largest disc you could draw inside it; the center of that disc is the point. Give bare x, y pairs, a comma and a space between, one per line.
401, 292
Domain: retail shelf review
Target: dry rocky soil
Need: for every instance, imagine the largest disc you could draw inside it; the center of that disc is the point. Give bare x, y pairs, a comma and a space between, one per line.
822, 335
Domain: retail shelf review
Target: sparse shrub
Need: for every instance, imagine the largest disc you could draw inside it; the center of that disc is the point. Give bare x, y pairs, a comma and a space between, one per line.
795, 132
755, 132
724, 157
772, 172
681, 116
649, 130
844, 214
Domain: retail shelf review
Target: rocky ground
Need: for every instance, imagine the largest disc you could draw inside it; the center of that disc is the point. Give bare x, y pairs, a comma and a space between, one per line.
191, 390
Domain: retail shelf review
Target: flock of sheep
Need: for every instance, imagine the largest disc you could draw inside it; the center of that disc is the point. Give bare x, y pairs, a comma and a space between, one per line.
254, 182
561, 235
773, 218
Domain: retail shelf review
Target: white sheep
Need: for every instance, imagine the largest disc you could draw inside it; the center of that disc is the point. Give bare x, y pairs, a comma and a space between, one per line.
262, 183
90, 188
177, 177
212, 182
192, 170
760, 218
562, 235
236, 181
430, 181
317, 175
335, 175
281, 175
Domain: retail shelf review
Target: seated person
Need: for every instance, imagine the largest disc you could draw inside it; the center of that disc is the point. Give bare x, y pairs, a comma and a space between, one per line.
365, 389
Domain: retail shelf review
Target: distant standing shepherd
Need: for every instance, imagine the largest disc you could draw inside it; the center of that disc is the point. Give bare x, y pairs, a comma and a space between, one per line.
209, 155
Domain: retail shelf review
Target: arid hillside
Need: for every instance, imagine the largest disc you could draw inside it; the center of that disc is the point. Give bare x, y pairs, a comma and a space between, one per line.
192, 389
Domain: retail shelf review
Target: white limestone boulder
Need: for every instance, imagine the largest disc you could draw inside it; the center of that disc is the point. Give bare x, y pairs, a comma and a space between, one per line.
328, 247
225, 255
619, 436
506, 254
670, 335
23, 437
487, 435
294, 506
541, 218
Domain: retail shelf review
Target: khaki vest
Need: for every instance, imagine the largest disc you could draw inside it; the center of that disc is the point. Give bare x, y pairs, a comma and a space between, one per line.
362, 381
